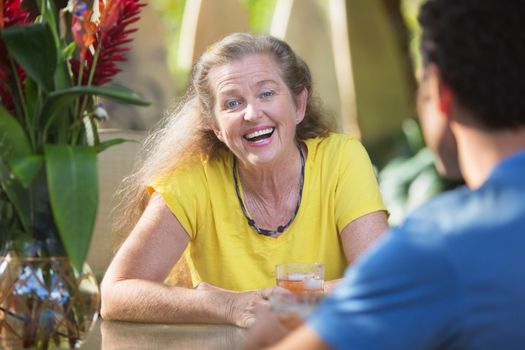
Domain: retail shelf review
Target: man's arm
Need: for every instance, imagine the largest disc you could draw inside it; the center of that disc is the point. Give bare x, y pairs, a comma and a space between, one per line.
269, 333
405, 282
304, 338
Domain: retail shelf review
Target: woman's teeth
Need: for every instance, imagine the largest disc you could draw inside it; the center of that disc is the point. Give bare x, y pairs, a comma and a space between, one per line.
259, 134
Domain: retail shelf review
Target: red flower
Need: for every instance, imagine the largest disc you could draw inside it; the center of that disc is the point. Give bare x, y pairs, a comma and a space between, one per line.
109, 14
111, 37
11, 14
83, 29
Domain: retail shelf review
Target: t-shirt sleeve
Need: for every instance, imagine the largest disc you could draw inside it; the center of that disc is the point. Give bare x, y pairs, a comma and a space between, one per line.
184, 192
398, 296
357, 191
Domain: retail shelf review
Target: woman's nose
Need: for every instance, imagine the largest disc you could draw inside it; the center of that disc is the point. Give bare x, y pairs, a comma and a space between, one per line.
253, 112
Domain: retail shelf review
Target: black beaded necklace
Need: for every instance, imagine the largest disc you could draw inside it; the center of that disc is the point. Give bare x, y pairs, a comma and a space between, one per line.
251, 222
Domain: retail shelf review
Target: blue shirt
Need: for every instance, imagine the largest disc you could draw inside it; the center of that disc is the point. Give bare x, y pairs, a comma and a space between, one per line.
451, 277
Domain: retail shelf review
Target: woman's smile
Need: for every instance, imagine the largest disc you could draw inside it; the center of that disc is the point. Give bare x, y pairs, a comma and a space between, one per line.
255, 112
259, 136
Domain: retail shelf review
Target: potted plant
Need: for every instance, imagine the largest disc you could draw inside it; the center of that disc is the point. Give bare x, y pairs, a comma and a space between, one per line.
55, 64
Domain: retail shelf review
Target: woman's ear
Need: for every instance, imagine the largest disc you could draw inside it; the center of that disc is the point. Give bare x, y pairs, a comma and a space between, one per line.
217, 133
301, 101
216, 129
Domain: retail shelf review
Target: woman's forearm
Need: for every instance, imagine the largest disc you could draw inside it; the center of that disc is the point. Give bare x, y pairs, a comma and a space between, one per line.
149, 301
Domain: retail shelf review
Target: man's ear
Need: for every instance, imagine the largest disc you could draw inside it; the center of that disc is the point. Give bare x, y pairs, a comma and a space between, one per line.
441, 90
438, 90
301, 101
445, 99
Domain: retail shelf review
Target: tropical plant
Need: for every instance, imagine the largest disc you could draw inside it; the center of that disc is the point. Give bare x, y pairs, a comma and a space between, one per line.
54, 65
410, 179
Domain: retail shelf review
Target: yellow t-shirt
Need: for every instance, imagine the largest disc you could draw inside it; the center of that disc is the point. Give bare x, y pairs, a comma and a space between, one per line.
339, 187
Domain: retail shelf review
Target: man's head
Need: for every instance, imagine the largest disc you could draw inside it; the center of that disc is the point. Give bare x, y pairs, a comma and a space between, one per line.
479, 48
473, 61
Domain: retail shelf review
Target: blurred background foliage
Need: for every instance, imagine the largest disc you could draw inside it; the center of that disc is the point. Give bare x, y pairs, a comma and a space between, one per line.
171, 13
410, 178
405, 166
260, 14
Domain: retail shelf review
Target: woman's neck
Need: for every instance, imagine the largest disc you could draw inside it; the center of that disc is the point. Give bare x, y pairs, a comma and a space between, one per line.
271, 182
272, 198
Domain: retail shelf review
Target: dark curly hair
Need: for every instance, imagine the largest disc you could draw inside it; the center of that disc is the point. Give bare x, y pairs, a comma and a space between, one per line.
479, 47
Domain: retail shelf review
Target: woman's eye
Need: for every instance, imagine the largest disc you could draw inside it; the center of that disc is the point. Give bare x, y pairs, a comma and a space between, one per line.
267, 94
230, 104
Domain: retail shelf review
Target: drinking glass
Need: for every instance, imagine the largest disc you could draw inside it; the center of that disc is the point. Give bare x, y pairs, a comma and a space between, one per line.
300, 277
293, 308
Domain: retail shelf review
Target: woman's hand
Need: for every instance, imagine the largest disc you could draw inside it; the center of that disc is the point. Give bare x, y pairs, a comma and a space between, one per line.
241, 307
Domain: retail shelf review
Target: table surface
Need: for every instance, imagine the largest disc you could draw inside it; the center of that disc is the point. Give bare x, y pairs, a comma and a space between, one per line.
108, 335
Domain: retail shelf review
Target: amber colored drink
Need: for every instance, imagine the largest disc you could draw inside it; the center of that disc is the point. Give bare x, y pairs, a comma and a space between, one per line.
301, 281
298, 286
292, 286
303, 293
300, 277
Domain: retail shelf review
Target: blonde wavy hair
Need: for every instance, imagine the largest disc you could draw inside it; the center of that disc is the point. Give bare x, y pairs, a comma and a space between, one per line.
186, 133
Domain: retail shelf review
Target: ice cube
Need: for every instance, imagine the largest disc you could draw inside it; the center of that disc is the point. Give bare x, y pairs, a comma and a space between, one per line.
313, 282
296, 276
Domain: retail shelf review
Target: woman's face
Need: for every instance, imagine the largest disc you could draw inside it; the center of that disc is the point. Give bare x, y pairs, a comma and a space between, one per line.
255, 113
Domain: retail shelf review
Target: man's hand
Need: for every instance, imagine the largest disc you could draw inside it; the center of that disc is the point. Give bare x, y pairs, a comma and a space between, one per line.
275, 331
267, 330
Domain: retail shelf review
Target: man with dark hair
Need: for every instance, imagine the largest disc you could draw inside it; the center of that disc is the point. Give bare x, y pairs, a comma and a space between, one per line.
452, 276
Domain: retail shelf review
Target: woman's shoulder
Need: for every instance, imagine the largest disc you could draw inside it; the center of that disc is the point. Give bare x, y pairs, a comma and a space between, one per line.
334, 144
196, 169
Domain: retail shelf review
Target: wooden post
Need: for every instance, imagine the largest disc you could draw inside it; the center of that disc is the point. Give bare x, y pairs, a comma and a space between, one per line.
304, 25
206, 21
383, 89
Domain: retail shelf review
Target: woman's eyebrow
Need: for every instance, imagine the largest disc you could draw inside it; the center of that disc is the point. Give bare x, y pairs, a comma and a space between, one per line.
228, 92
266, 81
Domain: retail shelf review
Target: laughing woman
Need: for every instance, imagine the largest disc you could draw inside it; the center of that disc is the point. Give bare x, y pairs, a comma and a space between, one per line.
247, 174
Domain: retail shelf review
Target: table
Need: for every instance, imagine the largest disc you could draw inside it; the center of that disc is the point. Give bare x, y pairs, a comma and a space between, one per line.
110, 335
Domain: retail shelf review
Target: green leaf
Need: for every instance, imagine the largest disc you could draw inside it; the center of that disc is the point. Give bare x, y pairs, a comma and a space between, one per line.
13, 140
113, 142
62, 81
413, 134
73, 189
33, 99
69, 50
26, 168
426, 185
59, 99
51, 16
20, 197
33, 47
62, 78
48, 12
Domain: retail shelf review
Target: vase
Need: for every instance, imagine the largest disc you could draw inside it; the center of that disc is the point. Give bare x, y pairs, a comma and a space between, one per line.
45, 303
